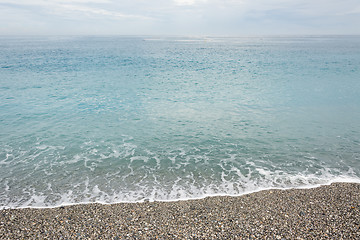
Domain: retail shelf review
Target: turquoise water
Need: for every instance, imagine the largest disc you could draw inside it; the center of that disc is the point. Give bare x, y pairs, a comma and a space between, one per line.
112, 119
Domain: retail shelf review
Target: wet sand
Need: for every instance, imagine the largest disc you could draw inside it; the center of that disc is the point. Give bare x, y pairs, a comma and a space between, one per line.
326, 212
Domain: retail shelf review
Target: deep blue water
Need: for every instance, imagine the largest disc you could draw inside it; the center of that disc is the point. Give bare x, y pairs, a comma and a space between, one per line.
111, 119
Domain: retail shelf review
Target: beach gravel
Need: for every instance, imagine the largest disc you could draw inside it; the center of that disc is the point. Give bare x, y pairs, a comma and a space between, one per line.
326, 212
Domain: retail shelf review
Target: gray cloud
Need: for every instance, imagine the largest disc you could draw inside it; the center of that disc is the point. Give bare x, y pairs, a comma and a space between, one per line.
227, 17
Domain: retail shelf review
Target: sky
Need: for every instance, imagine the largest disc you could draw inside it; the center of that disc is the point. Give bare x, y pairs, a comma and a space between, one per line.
179, 17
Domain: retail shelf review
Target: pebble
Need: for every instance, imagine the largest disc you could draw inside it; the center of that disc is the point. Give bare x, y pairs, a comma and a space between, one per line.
326, 212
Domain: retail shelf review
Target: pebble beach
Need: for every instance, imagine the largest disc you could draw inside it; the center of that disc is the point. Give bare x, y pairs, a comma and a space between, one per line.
325, 212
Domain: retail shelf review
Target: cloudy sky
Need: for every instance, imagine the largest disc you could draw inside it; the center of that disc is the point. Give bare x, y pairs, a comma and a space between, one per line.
179, 17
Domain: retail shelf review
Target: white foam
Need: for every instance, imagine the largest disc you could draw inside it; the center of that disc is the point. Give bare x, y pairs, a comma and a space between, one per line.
139, 158
177, 194
234, 182
75, 159
42, 147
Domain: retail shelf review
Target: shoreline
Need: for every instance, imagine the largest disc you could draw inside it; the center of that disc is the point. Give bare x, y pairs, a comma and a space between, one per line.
327, 211
301, 187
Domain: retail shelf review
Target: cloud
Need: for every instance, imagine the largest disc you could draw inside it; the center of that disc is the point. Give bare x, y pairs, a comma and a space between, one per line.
305, 7
44, 2
89, 11
71, 8
186, 16
353, 11
188, 2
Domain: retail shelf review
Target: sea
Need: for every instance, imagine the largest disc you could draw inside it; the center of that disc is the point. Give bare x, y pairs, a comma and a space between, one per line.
113, 119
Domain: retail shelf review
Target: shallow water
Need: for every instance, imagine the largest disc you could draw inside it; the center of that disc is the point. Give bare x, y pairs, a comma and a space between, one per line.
113, 119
